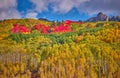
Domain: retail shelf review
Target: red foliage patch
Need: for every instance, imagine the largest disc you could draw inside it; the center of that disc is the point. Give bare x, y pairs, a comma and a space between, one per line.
65, 27
38, 26
20, 29
47, 29
69, 22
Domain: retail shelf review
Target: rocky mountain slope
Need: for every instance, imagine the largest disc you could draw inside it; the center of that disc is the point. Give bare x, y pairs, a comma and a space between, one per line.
103, 17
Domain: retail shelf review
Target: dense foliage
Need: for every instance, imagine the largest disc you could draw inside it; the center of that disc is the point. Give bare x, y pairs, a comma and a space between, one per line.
38, 49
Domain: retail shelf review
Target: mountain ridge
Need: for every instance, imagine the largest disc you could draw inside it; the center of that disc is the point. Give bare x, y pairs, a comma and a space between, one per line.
103, 17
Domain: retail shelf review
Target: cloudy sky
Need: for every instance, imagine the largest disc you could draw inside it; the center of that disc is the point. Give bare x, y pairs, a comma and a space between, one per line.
57, 9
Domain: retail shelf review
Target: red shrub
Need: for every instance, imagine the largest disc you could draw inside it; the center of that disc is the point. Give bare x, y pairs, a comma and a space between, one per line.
63, 28
38, 27
46, 30
20, 29
68, 22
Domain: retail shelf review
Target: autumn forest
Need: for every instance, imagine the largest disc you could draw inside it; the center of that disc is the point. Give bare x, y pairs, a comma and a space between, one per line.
31, 48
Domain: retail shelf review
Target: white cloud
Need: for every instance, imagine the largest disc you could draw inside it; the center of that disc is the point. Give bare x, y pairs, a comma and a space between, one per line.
40, 5
31, 15
89, 6
106, 6
8, 9
8, 14
7, 4
62, 6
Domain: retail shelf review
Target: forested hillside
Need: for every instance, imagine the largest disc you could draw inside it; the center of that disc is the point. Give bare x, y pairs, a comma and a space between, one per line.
32, 48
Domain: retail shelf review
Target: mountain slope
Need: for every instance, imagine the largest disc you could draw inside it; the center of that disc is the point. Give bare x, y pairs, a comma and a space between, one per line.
103, 17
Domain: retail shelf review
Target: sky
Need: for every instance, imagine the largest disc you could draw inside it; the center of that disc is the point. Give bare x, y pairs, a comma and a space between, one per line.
57, 9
